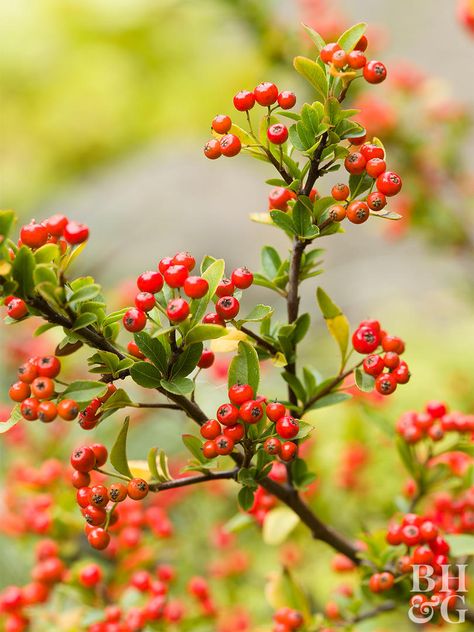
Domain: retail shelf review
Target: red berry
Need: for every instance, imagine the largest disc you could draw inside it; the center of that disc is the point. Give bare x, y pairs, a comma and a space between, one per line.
394, 535
164, 264
29, 408
227, 414
391, 360
176, 275
244, 100
150, 281
80, 479
82, 496
436, 409
177, 310
389, 183
373, 365
288, 451
279, 197
328, 51
393, 343
90, 575
99, 496
410, 535
137, 489
206, 360
386, 581
34, 235
272, 445
242, 278
386, 383
339, 58
17, 308
355, 163
48, 366
100, 453
376, 201
68, 409
369, 151
227, 307
184, 259
145, 301
356, 59
118, 492
277, 133
83, 459
221, 123
56, 224
235, 432
224, 445
212, 149
340, 192
28, 372
196, 287
375, 166
47, 411
211, 429
19, 391
286, 99
98, 538
134, 319
337, 213
287, 427
95, 516
240, 393
266, 93
213, 319
374, 72
225, 287
365, 339
275, 410
357, 212
251, 411
230, 145
361, 44
133, 350
428, 530
75, 233
209, 449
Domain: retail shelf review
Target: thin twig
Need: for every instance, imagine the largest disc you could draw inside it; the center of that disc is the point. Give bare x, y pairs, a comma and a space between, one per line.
194, 480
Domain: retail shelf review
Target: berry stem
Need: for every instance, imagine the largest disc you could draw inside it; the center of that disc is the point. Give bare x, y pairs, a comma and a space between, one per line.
193, 480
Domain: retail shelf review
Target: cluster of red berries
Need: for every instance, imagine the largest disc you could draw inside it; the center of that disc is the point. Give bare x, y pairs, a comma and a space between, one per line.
265, 94
372, 71
287, 619
90, 416
48, 570
94, 500
175, 272
433, 423
242, 410
388, 369
454, 514
370, 160
35, 390
57, 229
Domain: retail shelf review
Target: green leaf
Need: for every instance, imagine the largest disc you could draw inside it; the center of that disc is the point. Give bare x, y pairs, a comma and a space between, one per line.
336, 322
212, 271
43, 273
118, 454
406, 454
321, 205
152, 465
271, 261
315, 37
284, 221
330, 400
194, 445
187, 360
47, 253
15, 414
85, 293
114, 317
461, 544
245, 368
43, 328
179, 385
301, 327
278, 525
22, 272
153, 350
258, 313
359, 184
364, 381
145, 374
84, 391
84, 320
384, 214
119, 399
7, 219
296, 386
314, 74
199, 333
245, 498
349, 38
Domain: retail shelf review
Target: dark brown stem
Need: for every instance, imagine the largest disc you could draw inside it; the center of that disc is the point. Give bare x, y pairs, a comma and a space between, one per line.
194, 480
281, 170
259, 340
387, 606
167, 406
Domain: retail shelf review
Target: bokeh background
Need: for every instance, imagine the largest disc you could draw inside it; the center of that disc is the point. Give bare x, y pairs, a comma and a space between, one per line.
105, 107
